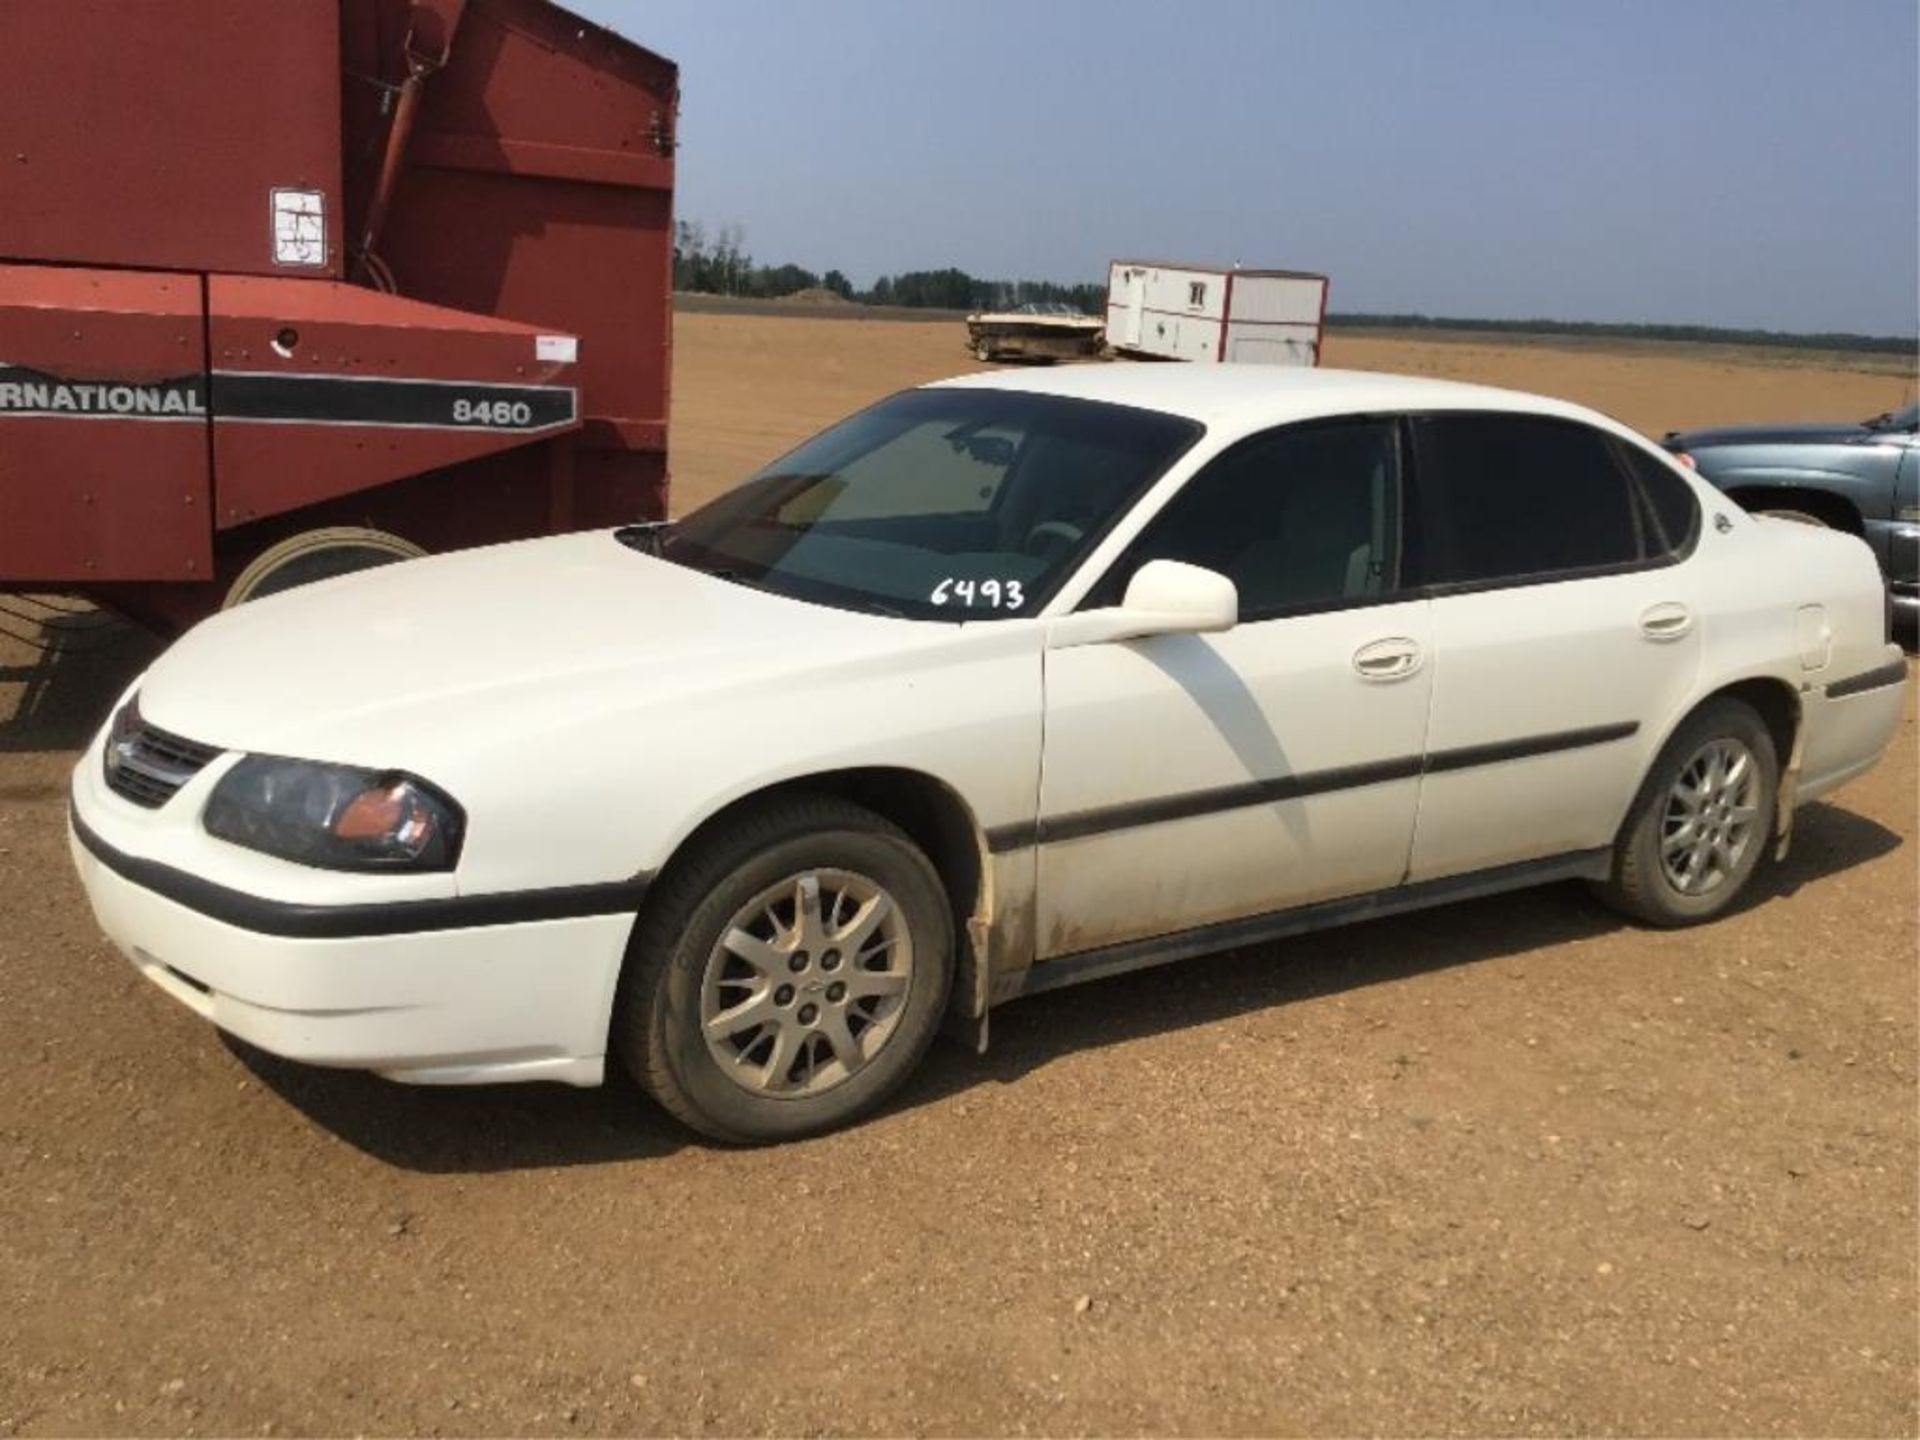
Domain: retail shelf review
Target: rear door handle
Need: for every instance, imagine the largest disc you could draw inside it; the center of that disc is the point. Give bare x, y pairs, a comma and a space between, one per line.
1394, 658
1668, 620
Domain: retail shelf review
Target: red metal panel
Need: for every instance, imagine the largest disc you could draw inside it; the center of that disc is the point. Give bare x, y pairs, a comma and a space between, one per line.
539, 186
536, 184
311, 400
154, 134
103, 436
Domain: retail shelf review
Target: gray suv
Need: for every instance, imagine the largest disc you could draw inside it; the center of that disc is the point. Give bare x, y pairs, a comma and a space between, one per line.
1864, 478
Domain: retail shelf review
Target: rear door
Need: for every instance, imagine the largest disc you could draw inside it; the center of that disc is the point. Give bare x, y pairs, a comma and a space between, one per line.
1566, 629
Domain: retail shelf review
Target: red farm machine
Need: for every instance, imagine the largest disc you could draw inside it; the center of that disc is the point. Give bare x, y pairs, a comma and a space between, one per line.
291, 288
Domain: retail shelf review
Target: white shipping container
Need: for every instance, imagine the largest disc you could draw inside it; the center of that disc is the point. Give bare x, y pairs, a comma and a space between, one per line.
1213, 314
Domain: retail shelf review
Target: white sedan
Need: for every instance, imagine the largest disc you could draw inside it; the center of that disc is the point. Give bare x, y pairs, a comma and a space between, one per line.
1002, 684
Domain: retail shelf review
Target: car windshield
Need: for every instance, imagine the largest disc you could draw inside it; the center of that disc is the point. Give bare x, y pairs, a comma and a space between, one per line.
936, 504
1907, 417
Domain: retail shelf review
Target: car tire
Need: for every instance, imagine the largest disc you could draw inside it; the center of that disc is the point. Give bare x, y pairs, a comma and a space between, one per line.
711, 944
983, 352
1701, 822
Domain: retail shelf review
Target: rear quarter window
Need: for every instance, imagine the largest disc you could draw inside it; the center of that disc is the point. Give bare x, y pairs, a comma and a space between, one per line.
1669, 499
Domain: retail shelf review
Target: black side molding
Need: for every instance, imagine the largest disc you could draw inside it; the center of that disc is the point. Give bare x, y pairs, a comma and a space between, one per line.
1021, 835
1258, 929
1226, 797
1894, 672
1466, 757
1082, 823
339, 922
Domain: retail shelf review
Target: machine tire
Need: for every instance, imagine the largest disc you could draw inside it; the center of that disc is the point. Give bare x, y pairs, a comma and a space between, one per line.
317, 555
679, 946
983, 352
1642, 885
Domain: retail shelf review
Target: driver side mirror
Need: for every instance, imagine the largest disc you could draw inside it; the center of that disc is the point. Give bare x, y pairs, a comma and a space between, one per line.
1165, 597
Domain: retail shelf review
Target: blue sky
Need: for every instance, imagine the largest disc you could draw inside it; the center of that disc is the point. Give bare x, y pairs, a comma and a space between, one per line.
1725, 162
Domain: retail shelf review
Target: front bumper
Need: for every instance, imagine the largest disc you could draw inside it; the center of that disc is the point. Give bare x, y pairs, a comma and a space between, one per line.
527, 1000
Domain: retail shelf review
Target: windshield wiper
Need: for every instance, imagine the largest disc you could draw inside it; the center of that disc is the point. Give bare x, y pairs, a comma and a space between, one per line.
648, 537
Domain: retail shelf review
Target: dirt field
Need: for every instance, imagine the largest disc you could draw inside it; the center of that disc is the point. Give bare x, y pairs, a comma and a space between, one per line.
748, 386
1506, 1168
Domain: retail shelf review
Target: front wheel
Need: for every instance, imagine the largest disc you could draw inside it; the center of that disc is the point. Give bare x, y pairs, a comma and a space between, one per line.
1701, 822
789, 976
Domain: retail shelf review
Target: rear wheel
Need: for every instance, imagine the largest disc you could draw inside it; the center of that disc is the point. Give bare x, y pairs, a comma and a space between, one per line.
790, 974
1701, 822
318, 555
983, 352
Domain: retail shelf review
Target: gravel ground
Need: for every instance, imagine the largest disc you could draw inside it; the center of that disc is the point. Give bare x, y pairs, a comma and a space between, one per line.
1511, 1167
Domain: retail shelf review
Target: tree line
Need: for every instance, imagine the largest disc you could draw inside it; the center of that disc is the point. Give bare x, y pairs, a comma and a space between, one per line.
719, 265
957, 290
1625, 330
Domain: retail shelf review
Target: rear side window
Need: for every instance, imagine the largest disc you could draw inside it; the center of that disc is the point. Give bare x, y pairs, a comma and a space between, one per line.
1671, 501
1511, 497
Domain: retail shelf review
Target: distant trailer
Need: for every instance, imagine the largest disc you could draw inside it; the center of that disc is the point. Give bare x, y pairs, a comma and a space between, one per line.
1163, 311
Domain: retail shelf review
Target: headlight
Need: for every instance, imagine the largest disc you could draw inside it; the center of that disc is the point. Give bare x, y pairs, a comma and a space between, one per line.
336, 817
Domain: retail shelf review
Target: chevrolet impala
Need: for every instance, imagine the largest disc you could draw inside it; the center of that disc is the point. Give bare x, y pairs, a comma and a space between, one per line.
1001, 684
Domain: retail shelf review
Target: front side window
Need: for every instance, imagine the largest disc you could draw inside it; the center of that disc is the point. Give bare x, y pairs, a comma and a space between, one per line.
944, 504
1511, 497
1299, 519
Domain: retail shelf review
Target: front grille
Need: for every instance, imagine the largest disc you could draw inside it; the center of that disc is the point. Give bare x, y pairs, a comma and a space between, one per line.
147, 765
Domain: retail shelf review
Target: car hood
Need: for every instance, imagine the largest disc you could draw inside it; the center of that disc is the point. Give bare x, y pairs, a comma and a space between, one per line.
380, 666
1828, 434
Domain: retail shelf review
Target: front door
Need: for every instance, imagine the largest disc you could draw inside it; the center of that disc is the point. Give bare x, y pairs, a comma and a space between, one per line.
1190, 779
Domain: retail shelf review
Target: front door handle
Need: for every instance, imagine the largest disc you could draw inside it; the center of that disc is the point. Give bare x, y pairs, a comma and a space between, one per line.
1394, 658
1668, 620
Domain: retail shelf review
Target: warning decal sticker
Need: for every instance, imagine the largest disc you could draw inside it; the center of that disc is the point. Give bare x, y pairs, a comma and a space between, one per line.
299, 227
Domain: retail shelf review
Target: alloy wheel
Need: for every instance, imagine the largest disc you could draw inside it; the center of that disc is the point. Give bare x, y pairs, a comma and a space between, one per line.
1711, 815
806, 984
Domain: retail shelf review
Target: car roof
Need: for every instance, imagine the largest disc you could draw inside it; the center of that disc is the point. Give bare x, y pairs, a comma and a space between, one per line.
1259, 395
